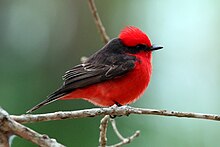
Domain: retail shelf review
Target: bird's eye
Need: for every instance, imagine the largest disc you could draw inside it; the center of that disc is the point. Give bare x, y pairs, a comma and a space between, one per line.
140, 46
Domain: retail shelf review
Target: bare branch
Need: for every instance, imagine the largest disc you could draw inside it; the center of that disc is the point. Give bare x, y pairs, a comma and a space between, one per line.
4, 140
123, 140
113, 122
98, 21
103, 130
123, 110
4, 132
127, 140
13, 127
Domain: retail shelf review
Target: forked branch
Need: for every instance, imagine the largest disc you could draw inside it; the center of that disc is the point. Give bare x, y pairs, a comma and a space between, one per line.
9, 127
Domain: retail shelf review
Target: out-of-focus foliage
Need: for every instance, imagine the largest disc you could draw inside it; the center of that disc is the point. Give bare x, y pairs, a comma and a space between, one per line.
40, 40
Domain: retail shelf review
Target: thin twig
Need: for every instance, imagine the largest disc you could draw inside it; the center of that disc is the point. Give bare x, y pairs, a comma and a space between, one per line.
127, 140
113, 122
103, 130
123, 140
98, 21
123, 110
9, 125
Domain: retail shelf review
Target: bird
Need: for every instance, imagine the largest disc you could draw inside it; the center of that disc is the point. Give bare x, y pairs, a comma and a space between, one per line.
118, 73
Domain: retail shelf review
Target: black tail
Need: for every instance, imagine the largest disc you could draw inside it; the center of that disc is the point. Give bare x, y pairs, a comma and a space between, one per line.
51, 98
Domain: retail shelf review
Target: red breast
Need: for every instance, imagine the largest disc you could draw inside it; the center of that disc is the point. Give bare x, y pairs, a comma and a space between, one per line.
123, 90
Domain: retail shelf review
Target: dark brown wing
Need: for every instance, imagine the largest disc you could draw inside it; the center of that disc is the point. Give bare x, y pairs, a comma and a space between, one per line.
87, 74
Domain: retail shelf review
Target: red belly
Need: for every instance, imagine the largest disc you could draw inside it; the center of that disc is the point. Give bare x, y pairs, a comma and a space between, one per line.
123, 90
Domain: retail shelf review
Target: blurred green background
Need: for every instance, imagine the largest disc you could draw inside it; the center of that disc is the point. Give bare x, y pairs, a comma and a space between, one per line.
40, 40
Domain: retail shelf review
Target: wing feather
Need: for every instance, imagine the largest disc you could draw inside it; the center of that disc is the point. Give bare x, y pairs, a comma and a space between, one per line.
88, 74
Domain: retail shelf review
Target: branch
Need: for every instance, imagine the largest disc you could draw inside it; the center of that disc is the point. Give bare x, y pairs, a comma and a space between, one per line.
103, 130
12, 127
123, 110
98, 21
113, 122
127, 140
4, 138
123, 140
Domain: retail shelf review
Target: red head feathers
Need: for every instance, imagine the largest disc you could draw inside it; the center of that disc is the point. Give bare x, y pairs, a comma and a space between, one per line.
132, 36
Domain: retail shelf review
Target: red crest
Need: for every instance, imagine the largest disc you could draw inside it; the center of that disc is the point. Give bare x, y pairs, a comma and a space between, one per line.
132, 36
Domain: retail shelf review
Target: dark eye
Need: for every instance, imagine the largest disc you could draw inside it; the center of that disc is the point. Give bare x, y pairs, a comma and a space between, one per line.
140, 47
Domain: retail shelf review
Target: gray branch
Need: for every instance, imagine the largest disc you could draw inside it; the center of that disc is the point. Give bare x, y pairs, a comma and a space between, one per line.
9, 127
9, 124
127, 140
98, 21
123, 140
123, 110
103, 130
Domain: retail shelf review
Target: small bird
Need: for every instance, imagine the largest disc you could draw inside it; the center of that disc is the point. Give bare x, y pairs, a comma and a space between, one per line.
116, 74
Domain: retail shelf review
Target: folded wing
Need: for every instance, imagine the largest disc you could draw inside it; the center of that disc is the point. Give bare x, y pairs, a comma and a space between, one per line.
87, 74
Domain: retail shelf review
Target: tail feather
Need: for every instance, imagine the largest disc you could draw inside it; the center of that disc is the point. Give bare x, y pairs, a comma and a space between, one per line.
53, 97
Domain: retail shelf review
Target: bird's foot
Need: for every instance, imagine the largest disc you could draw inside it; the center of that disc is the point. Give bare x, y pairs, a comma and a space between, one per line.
116, 105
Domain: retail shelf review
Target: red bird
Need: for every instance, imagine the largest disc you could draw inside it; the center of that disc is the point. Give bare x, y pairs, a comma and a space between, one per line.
116, 74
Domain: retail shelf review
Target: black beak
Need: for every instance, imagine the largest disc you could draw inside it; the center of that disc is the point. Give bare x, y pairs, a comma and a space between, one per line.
155, 47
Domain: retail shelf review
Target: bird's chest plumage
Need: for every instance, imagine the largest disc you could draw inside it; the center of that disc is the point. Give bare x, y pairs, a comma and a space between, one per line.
125, 89
135, 82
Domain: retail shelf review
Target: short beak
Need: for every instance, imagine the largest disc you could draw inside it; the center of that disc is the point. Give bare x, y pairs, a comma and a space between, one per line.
155, 47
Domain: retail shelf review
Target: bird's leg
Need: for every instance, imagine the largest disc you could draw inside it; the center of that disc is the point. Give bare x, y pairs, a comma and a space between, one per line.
114, 116
115, 106
118, 104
